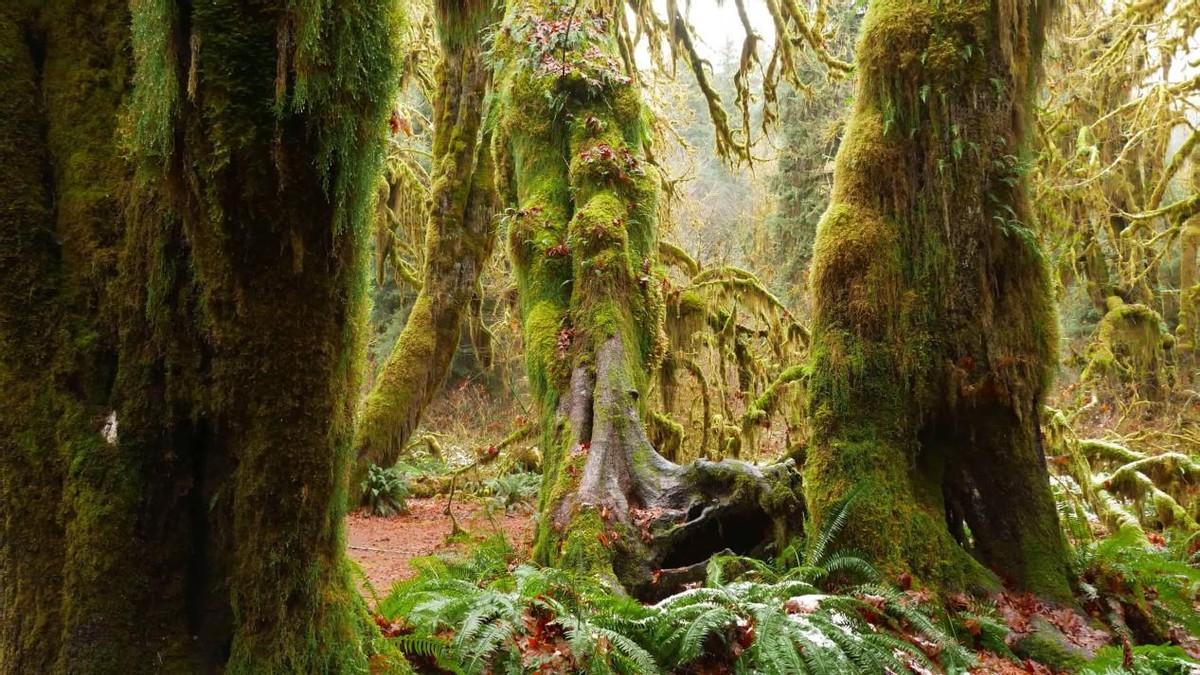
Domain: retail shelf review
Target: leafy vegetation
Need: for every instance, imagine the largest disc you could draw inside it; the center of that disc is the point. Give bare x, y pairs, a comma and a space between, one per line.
1141, 660
514, 490
385, 490
810, 611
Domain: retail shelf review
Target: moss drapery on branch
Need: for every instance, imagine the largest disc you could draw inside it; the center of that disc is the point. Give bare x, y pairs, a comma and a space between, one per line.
458, 241
570, 150
934, 332
1124, 488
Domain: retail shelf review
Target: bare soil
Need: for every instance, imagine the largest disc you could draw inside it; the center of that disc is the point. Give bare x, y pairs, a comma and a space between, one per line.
384, 547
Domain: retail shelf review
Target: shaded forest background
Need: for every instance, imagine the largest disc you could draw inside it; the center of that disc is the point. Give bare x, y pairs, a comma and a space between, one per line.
1122, 383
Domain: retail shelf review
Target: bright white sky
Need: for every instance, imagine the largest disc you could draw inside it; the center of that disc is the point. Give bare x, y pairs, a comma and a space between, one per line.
716, 23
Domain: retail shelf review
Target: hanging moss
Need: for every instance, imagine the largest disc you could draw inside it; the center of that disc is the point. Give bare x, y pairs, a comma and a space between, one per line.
934, 332
1131, 346
266, 122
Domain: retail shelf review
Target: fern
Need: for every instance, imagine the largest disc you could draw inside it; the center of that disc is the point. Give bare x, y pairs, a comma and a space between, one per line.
831, 526
1139, 575
428, 647
751, 616
385, 491
1146, 660
514, 490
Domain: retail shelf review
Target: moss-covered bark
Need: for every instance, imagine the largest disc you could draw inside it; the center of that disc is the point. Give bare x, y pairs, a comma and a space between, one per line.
934, 332
459, 239
583, 236
66, 528
31, 545
1187, 334
268, 132
569, 156
180, 352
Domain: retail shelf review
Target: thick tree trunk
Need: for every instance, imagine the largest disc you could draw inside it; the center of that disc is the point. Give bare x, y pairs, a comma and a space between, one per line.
583, 239
68, 492
934, 332
271, 137
180, 373
458, 241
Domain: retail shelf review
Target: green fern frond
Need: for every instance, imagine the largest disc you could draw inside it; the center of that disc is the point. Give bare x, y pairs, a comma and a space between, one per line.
836, 519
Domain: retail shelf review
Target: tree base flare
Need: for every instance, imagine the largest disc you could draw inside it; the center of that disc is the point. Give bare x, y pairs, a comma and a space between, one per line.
620, 509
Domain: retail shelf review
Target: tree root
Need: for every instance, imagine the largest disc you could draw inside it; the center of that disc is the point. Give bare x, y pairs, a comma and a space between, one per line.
662, 521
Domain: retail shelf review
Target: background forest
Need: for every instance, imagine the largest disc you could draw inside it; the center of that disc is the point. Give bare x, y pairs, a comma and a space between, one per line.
557, 336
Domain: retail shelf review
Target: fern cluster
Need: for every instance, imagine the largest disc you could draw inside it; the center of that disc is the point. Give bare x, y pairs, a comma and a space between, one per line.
808, 611
385, 491
514, 490
1141, 660
1156, 585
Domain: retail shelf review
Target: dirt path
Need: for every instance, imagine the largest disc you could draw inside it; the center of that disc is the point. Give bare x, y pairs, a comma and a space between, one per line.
384, 546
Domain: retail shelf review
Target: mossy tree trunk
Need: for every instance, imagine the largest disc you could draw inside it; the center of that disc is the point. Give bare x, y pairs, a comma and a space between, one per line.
934, 335
1188, 332
68, 532
458, 240
180, 351
583, 237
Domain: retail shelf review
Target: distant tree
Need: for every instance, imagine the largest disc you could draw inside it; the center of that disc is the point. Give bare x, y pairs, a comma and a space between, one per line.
457, 243
810, 128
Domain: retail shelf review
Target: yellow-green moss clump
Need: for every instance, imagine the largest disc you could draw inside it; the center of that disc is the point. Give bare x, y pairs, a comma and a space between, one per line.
582, 231
934, 332
1131, 346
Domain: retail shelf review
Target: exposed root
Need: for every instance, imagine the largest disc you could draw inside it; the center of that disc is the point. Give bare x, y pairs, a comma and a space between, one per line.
665, 520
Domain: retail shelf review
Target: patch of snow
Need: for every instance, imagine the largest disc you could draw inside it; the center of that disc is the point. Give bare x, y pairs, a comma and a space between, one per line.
804, 604
811, 632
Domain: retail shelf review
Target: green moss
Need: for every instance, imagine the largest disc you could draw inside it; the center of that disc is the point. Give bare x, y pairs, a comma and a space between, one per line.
582, 233
458, 241
1131, 344
934, 330
666, 434
1048, 646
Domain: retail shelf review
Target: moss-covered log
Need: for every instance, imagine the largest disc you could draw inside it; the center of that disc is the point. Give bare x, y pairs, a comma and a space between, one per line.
583, 237
458, 240
934, 333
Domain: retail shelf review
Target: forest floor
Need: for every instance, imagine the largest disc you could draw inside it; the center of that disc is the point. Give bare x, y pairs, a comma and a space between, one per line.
384, 547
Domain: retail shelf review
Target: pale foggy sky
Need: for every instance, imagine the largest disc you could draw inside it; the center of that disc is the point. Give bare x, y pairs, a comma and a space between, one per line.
717, 23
